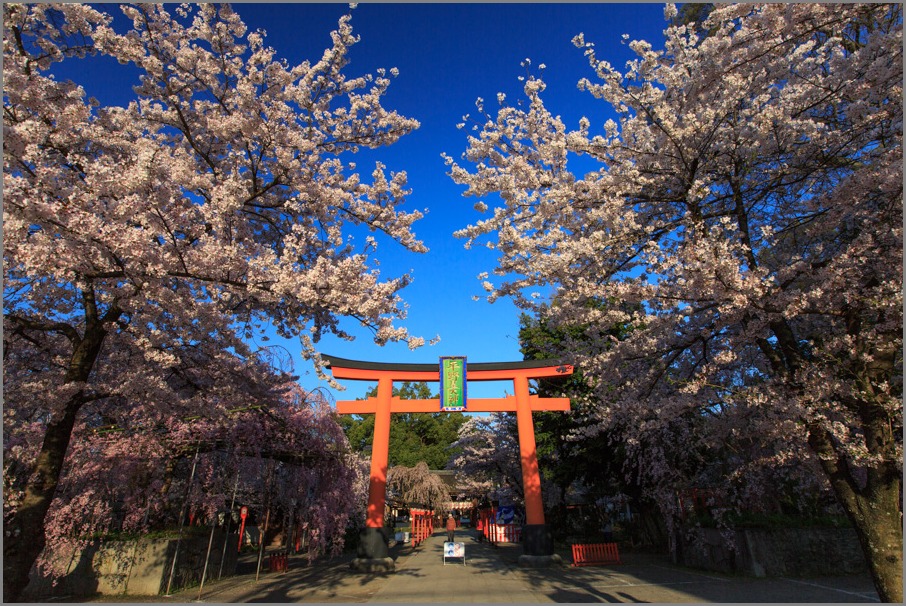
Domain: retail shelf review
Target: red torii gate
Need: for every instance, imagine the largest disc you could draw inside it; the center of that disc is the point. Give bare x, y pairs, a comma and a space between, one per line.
373, 549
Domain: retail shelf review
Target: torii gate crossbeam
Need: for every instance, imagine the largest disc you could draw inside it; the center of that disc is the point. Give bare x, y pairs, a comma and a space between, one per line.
536, 539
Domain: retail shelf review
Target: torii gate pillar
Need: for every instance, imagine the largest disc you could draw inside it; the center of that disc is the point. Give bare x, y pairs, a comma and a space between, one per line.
373, 553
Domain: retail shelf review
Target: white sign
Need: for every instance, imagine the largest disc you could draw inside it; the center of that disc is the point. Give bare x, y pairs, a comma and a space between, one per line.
454, 550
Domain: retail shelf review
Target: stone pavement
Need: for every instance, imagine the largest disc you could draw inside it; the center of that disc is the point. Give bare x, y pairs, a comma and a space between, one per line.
492, 575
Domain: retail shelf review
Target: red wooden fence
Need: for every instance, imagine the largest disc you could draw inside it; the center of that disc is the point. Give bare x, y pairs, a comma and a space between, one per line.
596, 554
422, 522
498, 533
278, 562
504, 533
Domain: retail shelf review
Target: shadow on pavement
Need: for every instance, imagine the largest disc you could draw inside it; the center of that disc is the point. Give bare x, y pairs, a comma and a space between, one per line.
653, 578
324, 580
492, 573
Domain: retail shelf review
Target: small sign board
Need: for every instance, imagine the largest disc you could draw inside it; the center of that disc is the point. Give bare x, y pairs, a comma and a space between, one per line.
454, 550
452, 383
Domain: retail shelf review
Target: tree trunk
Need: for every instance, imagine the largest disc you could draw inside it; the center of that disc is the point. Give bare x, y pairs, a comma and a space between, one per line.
24, 533
652, 529
880, 533
874, 512
875, 509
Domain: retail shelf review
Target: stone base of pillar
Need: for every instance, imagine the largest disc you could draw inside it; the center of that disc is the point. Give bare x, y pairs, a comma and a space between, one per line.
537, 540
373, 564
528, 561
374, 544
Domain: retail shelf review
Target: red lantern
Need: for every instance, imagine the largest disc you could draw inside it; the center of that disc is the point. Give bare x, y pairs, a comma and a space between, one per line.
243, 513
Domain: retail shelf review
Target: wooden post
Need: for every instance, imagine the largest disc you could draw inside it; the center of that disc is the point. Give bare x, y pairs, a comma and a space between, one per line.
380, 452
182, 515
226, 530
531, 479
267, 518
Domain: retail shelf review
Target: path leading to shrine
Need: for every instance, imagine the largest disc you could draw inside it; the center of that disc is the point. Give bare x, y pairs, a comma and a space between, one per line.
492, 575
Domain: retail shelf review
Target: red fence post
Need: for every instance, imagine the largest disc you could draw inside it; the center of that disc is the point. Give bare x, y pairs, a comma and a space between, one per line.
494, 537
595, 554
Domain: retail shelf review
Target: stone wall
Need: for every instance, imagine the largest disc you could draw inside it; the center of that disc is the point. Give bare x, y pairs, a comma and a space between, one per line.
139, 567
783, 552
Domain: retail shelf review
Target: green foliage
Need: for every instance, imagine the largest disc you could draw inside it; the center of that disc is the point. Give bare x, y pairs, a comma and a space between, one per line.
414, 437
593, 462
359, 430
598, 463
692, 13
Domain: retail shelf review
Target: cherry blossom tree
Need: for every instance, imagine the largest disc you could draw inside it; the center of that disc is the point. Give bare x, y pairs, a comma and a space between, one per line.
708, 453
285, 452
749, 201
216, 202
417, 485
488, 458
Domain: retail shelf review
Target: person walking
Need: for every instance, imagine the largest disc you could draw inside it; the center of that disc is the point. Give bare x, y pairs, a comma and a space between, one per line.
451, 528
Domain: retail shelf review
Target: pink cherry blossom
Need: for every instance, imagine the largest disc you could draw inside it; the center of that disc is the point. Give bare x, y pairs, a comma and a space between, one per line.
746, 221
146, 245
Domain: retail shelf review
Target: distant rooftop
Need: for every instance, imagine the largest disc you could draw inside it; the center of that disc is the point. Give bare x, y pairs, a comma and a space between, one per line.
448, 477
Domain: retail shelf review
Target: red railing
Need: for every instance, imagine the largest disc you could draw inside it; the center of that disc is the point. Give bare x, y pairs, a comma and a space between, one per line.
278, 562
422, 522
596, 554
504, 533
498, 533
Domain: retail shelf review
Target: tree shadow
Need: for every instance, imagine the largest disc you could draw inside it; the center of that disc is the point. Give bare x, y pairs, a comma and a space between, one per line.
650, 575
561, 595
328, 578
138, 568
80, 580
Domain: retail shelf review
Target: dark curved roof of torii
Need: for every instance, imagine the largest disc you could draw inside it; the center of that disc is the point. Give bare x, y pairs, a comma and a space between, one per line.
330, 361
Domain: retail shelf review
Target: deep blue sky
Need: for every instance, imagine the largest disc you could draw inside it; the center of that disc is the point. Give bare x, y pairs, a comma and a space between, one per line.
448, 55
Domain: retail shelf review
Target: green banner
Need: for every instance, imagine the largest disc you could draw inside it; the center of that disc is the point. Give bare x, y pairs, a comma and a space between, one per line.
453, 383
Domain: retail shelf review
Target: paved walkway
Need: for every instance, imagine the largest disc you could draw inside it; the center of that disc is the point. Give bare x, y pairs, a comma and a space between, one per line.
492, 575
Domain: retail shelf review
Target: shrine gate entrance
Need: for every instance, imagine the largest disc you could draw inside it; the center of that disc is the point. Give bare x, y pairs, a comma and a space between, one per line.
373, 551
